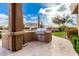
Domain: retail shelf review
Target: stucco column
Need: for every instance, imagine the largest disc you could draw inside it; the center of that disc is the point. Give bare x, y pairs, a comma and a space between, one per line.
15, 25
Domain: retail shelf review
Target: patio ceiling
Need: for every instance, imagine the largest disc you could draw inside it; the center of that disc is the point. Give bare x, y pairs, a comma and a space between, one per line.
74, 8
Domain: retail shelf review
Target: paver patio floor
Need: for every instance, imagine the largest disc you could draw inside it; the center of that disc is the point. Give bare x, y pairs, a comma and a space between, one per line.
57, 47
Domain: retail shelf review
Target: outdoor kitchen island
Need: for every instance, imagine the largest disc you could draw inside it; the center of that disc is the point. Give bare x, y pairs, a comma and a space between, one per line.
33, 35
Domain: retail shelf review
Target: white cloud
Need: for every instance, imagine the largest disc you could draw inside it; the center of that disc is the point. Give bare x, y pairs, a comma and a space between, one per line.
24, 20
3, 20
29, 15
34, 17
3, 16
53, 8
42, 11
51, 4
24, 16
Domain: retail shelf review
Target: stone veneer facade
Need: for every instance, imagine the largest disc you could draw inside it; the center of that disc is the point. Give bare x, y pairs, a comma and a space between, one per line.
14, 42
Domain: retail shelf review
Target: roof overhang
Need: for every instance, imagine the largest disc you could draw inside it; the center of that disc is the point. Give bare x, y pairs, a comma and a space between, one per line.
74, 8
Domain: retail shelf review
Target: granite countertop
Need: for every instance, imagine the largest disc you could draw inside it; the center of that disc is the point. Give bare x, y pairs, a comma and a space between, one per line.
22, 32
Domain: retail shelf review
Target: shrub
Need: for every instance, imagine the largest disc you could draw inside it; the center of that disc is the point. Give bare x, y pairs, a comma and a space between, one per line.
71, 31
62, 28
74, 38
75, 42
1, 27
72, 34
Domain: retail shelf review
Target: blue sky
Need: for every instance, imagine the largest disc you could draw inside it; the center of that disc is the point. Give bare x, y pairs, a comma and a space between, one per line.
31, 11
4, 8
32, 8
28, 8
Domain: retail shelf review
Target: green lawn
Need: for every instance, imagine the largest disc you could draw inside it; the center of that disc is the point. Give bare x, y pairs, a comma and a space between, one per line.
60, 34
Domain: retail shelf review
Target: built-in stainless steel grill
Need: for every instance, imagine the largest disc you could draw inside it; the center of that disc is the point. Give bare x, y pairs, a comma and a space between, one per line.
40, 33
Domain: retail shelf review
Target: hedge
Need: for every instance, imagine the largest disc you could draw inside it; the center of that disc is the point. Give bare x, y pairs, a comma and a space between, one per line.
71, 31
75, 42
72, 34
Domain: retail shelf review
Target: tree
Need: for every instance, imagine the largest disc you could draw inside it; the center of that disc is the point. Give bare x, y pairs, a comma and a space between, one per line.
56, 20
62, 20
